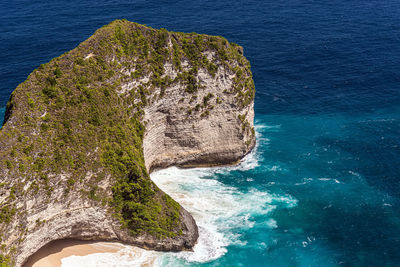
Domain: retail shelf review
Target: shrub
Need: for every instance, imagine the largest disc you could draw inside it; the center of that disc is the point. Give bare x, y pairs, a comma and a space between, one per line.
57, 72
8, 164
70, 182
51, 81
207, 98
6, 214
50, 91
31, 103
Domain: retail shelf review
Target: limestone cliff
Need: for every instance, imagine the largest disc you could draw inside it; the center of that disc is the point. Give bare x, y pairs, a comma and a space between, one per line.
83, 131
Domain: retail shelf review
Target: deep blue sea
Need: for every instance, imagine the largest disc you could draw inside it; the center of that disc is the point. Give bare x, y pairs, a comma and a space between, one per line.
322, 187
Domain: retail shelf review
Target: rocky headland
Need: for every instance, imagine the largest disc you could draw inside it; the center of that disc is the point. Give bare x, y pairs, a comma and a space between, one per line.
83, 132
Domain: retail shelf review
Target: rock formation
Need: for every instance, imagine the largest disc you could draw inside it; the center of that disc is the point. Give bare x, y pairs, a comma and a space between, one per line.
83, 131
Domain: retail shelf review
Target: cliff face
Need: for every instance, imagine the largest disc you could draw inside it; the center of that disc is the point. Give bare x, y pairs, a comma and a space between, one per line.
82, 133
185, 132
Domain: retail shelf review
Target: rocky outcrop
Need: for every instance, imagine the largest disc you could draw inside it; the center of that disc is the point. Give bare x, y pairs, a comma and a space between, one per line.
82, 133
175, 138
86, 221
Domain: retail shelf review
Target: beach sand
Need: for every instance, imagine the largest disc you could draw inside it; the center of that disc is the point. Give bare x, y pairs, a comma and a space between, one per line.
51, 254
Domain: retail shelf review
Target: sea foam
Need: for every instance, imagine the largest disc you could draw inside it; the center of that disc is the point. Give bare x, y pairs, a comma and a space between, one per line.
219, 209
127, 256
221, 212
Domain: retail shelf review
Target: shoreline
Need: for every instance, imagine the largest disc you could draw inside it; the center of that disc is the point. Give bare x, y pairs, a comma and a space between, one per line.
51, 254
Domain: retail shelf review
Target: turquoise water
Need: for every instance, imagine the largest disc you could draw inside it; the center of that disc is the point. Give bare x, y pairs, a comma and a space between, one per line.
302, 198
322, 187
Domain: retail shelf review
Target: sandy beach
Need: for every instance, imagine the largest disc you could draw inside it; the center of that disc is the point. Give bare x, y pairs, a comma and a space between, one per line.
52, 254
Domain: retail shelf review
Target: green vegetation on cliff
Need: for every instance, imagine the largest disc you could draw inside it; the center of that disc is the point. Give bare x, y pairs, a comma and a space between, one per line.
72, 118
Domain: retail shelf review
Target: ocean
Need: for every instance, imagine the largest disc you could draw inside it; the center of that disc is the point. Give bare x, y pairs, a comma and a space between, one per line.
322, 187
